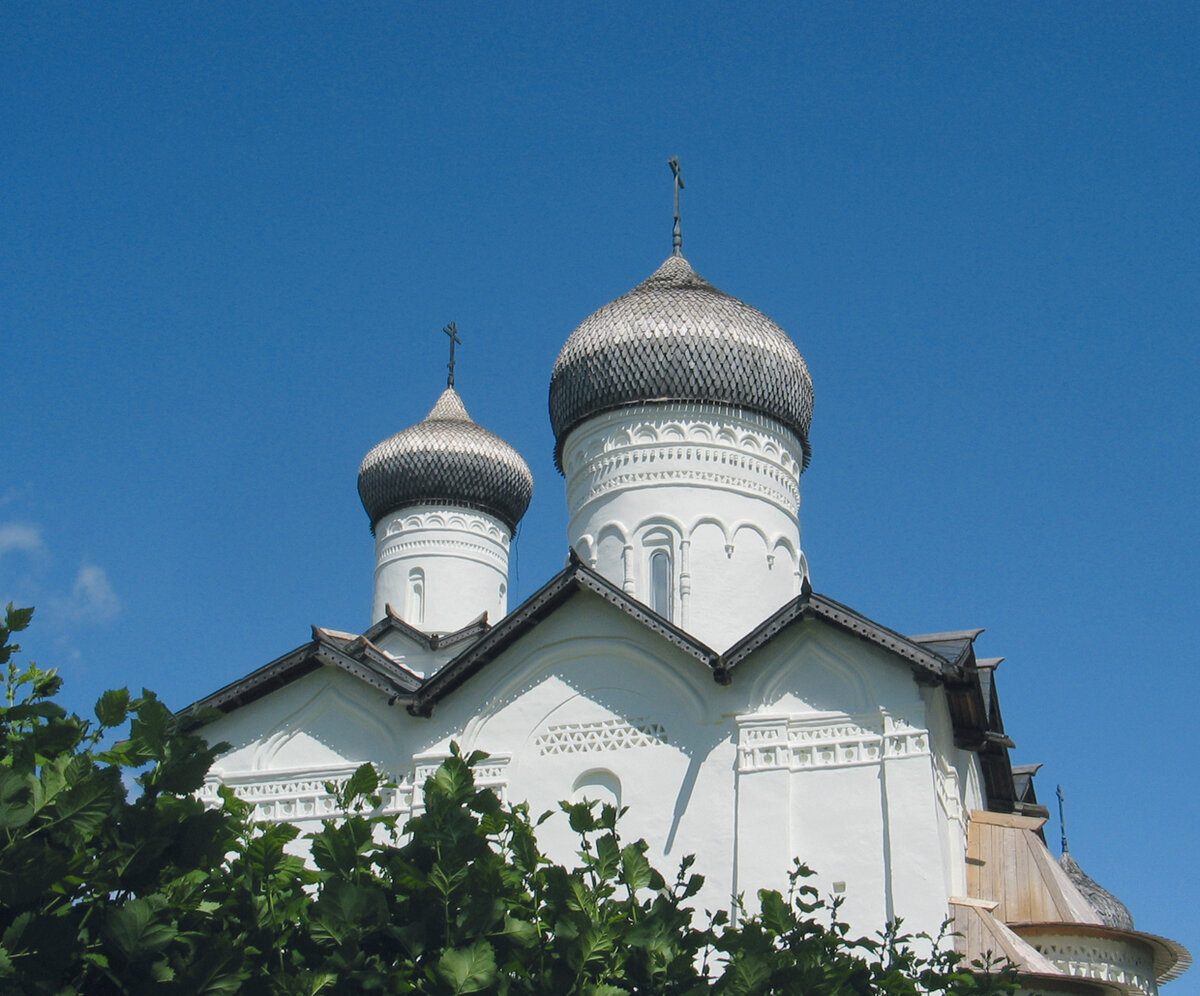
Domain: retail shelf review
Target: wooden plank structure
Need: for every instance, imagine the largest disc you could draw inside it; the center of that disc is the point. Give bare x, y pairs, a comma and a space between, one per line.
1018, 896
1008, 863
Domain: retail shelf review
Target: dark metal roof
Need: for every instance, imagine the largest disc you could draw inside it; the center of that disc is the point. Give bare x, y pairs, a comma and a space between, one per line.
446, 459
355, 655
675, 337
954, 646
808, 605
1023, 783
392, 623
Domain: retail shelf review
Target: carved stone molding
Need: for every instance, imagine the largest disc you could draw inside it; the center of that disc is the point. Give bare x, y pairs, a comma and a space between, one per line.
437, 544
739, 452
606, 734
451, 520
949, 793
299, 795
798, 743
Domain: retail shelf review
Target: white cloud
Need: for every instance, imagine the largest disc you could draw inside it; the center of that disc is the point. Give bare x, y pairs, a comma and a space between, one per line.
20, 537
92, 596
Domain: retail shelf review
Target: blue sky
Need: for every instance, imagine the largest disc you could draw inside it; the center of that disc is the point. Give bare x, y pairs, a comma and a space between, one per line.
233, 233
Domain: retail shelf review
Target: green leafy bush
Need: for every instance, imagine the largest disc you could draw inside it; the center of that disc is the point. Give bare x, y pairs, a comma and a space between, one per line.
115, 878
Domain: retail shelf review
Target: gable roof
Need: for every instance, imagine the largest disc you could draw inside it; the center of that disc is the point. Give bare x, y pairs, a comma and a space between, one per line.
927, 666
946, 659
356, 655
575, 577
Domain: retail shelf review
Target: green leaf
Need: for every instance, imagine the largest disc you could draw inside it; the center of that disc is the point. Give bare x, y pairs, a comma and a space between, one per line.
363, 782
16, 799
351, 904
580, 816
776, 915
446, 883
608, 856
745, 976
520, 932
16, 620
635, 869
468, 970
595, 943
85, 806
112, 707
139, 928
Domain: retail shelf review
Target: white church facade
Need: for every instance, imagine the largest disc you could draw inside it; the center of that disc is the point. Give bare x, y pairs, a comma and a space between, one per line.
681, 664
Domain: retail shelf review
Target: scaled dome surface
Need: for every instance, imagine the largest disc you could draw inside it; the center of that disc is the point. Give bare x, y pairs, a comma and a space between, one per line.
446, 459
675, 337
1110, 909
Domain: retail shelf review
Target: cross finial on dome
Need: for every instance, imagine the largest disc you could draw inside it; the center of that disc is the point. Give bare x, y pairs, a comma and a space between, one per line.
452, 331
676, 234
1062, 824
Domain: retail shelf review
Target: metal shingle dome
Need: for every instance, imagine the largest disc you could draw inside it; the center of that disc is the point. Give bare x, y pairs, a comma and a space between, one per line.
1110, 909
675, 337
446, 459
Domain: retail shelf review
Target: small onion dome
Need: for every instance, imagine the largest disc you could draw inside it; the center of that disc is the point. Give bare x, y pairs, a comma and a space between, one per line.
1110, 909
446, 459
675, 337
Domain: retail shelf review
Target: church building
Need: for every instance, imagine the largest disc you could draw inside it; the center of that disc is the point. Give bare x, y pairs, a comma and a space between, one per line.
681, 665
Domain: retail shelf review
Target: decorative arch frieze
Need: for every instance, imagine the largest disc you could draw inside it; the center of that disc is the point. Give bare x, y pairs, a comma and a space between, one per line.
708, 445
462, 520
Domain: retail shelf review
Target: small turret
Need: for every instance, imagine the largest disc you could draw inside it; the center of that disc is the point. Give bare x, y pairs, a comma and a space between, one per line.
444, 498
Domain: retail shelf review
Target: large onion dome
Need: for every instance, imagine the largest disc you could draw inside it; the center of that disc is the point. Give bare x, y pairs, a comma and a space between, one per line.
446, 459
675, 337
1110, 909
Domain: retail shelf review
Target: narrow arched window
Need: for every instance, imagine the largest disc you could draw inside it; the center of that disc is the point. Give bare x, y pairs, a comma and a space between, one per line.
660, 583
414, 603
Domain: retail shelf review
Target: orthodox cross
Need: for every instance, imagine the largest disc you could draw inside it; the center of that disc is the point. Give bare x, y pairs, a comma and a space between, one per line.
676, 234
1062, 824
452, 331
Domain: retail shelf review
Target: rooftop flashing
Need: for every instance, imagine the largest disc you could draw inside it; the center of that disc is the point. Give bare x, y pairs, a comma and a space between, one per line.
957, 634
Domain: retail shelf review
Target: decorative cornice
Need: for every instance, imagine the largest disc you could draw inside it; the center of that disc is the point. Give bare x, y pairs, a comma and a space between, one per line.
793, 744
445, 517
671, 444
494, 556
301, 795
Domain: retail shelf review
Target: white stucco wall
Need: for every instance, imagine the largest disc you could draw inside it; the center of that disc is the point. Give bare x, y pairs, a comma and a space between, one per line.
822, 747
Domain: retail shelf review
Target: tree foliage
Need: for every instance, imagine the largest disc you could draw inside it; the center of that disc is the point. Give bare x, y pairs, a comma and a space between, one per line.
115, 878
